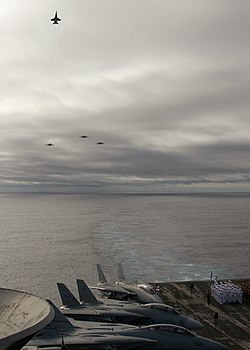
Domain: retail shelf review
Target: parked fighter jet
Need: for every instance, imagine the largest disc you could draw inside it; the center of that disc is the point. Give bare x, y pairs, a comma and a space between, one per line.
111, 291
94, 310
102, 336
129, 313
143, 292
55, 19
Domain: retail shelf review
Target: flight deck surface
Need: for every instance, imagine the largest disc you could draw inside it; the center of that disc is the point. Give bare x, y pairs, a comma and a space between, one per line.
233, 323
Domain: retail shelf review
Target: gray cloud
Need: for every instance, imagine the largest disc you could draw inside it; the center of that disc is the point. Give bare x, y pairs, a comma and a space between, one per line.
163, 83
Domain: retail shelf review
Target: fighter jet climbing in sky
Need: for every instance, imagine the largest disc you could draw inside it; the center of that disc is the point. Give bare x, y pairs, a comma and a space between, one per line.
55, 19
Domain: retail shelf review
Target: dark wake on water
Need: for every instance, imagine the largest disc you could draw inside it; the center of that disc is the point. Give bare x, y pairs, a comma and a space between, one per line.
49, 238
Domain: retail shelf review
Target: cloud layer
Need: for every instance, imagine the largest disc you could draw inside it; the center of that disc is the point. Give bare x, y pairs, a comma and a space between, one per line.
164, 84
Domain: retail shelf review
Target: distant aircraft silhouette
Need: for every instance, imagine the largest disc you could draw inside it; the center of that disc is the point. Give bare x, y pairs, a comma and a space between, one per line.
49, 144
84, 136
100, 143
55, 19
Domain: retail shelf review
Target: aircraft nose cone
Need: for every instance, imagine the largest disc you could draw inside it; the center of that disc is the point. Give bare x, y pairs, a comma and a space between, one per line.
157, 299
217, 346
193, 324
209, 344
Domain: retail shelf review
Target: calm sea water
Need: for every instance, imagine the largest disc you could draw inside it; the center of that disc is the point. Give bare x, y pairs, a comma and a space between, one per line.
49, 238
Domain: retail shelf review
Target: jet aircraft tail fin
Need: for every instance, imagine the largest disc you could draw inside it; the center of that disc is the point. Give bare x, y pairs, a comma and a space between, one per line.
121, 276
101, 276
85, 294
68, 299
59, 321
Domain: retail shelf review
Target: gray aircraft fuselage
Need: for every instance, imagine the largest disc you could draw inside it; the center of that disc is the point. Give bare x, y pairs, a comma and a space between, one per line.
132, 314
145, 292
92, 309
154, 337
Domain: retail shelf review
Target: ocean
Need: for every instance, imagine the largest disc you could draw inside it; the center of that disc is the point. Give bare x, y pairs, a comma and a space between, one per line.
49, 238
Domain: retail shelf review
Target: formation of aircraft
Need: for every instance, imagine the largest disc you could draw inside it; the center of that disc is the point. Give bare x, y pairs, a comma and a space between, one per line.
84, 136
141, 292
55, 20
61, 333
89, 308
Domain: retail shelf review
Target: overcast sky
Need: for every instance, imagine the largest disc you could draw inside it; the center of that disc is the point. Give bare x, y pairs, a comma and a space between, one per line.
164, 83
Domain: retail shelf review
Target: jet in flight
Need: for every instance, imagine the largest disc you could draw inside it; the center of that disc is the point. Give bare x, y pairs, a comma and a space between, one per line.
84, 136
100, 143
49, 144
92, 309
55, 19
102, 336
142, 293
